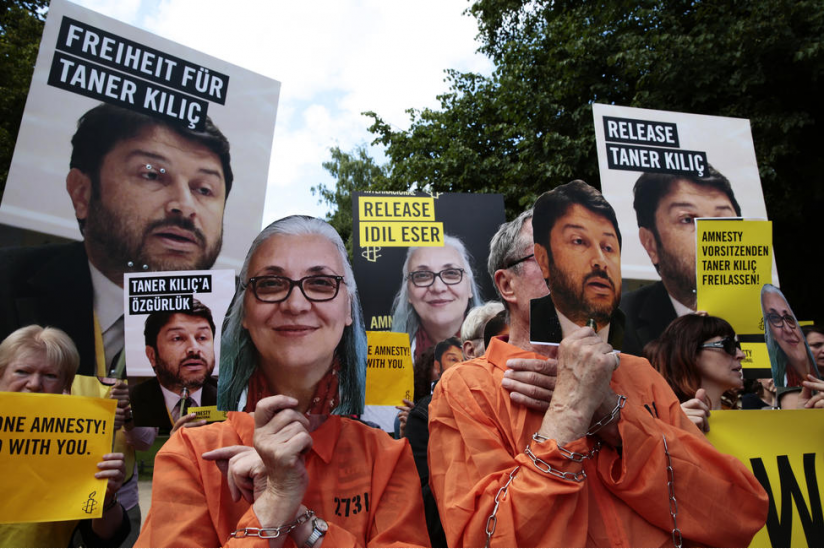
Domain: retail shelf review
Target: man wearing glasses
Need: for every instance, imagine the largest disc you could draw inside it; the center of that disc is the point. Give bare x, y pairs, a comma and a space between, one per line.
608, 459
181, 348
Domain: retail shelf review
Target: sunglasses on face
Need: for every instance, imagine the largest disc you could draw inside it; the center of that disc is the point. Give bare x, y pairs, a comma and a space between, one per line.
728, 344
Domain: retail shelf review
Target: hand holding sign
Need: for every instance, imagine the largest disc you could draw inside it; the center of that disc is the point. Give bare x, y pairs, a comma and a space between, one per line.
585, 366
281, 439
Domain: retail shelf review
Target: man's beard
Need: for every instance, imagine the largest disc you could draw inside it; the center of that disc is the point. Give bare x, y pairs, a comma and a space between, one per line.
678, 275
168, 377
568, 295
119, 242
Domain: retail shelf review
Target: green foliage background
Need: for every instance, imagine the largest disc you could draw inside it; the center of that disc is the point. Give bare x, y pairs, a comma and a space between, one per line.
21, 25
528, 127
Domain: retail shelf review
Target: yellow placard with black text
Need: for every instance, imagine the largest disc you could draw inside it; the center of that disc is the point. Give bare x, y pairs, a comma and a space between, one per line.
783, 449
49, 449
398, 221
389, 374
733, 261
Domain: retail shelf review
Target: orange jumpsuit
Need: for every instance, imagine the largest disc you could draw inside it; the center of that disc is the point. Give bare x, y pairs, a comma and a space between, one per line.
361, 481
478, 437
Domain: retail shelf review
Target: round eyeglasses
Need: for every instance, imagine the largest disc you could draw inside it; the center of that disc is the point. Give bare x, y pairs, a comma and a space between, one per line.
424, 279
274, 289
728, 344
778, 320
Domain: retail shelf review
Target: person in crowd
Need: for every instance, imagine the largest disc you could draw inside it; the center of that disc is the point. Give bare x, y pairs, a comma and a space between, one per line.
790, 357
181, 349
293, 362
578, 248
518, 280
665, 207
759, 394
591, 466
815, 339
700, 357
472, 329
445, 354
426, 374
437, 291
34, 359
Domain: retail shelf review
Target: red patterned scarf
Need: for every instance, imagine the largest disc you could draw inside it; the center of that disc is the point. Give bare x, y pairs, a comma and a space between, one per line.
326, 393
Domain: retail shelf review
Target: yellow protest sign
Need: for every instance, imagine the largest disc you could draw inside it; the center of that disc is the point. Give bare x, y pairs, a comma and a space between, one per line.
209, 413
782, 448
52, 444
389, 375
398, 221
733, 261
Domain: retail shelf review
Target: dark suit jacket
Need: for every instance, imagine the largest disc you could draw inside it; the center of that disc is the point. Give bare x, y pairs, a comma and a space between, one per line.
149, 406
545, 326
50, 286
649, 311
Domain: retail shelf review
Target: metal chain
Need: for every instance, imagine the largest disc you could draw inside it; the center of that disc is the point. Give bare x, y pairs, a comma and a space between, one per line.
545, 467
608, 419
677, 540
272, 531
579, 457
492, 521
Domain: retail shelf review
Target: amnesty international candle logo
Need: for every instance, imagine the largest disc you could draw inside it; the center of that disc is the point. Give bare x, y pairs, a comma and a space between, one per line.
90, 505
371, 253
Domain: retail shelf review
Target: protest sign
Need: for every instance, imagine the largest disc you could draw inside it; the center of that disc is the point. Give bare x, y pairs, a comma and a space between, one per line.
389, 375
138, 142
49, 449
782, 448
791, 358
86, 58
733, 261
660, 171
172, 328
385, 227
633, 141
577, 246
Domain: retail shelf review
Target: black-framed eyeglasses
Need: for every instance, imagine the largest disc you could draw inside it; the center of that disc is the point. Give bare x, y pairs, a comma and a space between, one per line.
274, 289
519, 261
728, 344
778, 320
424, 279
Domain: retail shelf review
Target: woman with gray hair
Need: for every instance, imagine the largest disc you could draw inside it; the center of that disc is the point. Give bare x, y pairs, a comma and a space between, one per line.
791, 358
437, 291
293, 354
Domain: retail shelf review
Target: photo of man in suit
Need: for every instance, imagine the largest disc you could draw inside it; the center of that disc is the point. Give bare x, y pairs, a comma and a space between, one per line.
181, 349
666, 206
578, 248
148, 195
